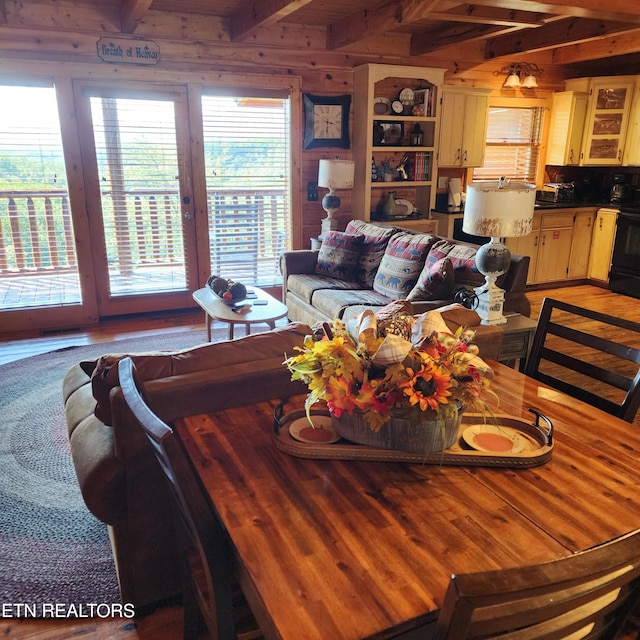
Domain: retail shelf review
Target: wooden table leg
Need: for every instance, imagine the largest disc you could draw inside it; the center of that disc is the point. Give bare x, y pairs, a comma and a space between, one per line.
207, 322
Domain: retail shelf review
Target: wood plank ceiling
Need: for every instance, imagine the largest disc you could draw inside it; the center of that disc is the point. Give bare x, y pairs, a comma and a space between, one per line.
597, 37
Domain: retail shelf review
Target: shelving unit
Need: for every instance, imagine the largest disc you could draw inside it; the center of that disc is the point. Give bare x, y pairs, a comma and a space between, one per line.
373, 81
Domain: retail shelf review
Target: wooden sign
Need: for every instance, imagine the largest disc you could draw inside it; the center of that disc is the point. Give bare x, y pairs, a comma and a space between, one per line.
124, 51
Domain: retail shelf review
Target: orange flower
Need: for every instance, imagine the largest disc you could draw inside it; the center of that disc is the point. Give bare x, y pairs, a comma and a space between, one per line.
428, 387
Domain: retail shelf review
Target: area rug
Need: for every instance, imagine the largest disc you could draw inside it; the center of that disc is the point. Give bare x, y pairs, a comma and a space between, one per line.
52, 549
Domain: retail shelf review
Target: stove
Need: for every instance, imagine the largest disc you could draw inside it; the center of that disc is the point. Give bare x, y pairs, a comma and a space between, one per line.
624, 276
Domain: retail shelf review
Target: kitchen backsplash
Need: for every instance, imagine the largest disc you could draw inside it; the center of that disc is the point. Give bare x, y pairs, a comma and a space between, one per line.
594, 185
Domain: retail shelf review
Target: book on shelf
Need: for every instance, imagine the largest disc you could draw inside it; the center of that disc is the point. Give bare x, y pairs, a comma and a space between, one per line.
421, 162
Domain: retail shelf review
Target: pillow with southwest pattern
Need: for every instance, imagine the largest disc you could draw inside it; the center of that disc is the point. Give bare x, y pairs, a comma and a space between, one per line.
402, 263
374, 245
339, 254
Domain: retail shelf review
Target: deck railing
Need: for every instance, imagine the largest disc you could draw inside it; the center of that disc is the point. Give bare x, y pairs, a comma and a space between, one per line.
247, 229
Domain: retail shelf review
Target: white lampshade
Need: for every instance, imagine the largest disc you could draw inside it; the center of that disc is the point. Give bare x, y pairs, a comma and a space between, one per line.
494, 211
530, 82
336, 174
512, 81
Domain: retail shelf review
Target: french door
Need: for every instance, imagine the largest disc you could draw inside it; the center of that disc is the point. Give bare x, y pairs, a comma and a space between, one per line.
136, 163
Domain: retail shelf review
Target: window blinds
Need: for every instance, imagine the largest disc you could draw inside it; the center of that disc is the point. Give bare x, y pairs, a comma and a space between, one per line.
512, 144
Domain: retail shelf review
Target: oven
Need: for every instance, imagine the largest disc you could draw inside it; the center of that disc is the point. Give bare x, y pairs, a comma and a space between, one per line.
625, 261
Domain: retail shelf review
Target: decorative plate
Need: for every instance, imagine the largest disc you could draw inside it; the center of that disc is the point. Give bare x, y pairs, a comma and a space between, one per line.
381, 107
493, 438
320, 433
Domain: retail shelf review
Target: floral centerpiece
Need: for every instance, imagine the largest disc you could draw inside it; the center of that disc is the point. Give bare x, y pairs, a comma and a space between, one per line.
393, 370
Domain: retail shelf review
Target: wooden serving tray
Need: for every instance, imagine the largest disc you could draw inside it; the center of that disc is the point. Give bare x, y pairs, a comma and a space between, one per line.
537, 443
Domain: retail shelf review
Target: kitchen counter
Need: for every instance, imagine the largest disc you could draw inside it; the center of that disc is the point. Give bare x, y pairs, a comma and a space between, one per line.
570, 205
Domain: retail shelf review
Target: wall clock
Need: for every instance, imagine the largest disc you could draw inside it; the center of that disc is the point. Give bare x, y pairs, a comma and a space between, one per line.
326, 121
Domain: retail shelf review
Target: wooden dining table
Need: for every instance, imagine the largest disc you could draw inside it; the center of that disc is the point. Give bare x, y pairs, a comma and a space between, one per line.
349, 549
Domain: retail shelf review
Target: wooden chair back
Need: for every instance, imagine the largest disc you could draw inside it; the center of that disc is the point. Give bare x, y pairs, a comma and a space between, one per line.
591, 356
208, 593
587, 595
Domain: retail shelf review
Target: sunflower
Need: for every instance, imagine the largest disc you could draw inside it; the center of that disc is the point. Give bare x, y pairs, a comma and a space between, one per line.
428, 387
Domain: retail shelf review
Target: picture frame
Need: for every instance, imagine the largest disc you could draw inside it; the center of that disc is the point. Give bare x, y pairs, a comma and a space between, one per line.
387, 133
326, 121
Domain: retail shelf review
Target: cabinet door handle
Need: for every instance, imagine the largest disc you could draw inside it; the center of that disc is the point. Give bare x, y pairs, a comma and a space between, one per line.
535, 241
465, 155
619, 154
458, 151
544, 240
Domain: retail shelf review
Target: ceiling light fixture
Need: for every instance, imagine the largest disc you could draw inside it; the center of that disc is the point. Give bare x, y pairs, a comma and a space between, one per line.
520, 74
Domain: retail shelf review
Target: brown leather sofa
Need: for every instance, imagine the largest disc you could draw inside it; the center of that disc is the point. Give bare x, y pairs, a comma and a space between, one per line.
117, 471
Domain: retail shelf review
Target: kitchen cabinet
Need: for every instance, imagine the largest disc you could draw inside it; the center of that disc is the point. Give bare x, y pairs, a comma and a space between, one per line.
381, 136
559, 244
566, 126
604, 233
554, 247
463, 127
607, 119
631, 155
583, 222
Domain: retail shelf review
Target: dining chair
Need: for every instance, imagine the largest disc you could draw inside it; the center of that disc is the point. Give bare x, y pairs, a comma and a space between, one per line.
587, 595
210, 595
583, 353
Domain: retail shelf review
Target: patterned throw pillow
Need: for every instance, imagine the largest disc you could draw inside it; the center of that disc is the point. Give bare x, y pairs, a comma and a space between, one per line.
338, 255
402, 263
373, 248
436, 282
463, 259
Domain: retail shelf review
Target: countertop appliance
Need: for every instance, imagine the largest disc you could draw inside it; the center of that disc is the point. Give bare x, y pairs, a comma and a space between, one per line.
557, 192
620, 191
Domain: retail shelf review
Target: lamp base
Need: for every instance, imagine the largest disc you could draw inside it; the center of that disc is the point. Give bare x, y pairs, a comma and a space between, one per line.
492, 260
330, 203
490, 304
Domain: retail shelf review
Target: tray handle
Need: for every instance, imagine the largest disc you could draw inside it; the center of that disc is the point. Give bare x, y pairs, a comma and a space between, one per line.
278, 412
549, 431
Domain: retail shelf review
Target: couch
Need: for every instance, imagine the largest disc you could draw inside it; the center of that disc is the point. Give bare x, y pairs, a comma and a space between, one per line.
118, 474
369, 266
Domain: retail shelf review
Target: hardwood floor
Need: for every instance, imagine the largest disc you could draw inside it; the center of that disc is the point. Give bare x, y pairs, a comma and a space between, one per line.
166, 623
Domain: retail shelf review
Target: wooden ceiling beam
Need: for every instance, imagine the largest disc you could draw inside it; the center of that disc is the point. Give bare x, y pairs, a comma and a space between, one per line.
556, 34
614, 10
131, 14
615, 45
446, 35
261, 13
490, 15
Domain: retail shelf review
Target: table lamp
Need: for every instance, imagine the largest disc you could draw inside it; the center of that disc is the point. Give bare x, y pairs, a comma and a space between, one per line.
497, 209
332, 175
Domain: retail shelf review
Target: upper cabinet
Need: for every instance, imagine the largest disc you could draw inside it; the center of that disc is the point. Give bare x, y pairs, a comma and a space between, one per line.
631, 155
607, 119
395, 124
463, 126
568, 113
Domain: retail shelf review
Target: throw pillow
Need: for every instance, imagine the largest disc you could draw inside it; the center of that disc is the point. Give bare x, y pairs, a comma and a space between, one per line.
373, 248
402, 263
463, 259
436, 282
338, 255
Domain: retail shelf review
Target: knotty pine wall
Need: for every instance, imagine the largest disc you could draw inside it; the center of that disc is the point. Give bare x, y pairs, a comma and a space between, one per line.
58, 39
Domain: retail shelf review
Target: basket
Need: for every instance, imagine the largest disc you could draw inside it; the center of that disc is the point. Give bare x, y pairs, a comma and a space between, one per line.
399, 434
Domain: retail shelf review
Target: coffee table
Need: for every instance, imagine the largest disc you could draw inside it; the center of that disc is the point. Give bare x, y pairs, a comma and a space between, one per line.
215, 309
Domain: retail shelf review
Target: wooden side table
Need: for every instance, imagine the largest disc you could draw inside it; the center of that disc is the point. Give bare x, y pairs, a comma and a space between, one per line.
518, 336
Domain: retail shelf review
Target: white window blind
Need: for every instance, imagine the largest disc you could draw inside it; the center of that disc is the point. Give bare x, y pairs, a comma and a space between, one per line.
37, 249
137, 157
247, 160
512, 145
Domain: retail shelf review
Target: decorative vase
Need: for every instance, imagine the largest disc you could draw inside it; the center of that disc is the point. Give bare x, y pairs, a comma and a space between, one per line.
432, 434
389, 208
